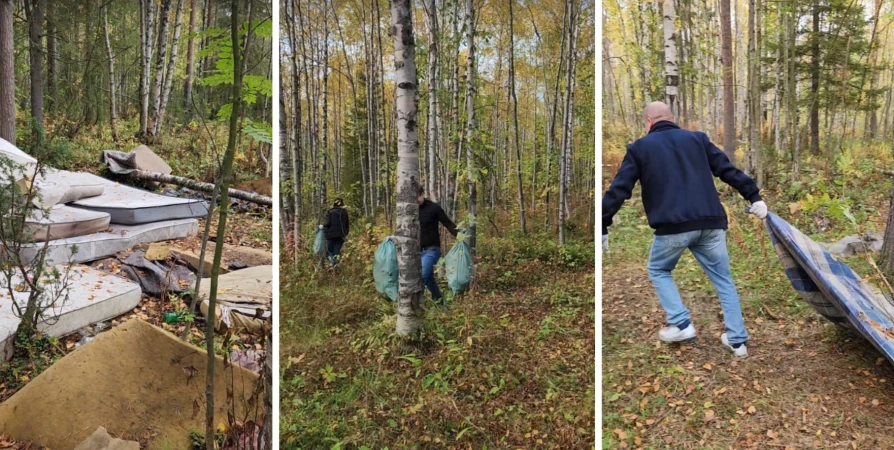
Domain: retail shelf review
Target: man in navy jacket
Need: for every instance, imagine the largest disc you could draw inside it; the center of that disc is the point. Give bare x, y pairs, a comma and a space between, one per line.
676, 170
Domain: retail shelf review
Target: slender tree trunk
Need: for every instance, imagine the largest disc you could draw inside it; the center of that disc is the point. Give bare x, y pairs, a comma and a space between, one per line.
113, 101
729, 98
190, 57
471, 136
886, 259
161, 57
225, 178
52, 64
147, 28
814, 83
518, 152
567, 128
671, 70
325, 69
410, 312
551, 125
169, 74
431, 15
7, 74
35, 34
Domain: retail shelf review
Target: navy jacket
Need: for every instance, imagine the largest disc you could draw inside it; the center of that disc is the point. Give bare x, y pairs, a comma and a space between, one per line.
337, 225
676, 169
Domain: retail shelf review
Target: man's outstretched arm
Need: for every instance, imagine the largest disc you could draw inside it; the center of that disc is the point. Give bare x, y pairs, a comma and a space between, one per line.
448, 224
620, 190
729, 174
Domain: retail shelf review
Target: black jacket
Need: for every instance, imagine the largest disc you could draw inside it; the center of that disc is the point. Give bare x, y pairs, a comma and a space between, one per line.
676, 169
336, 226
430, 215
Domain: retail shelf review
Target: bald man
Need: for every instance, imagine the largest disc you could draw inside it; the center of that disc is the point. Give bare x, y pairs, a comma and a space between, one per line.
676, 170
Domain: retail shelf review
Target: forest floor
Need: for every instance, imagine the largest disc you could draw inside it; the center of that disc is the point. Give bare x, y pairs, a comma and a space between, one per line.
806, 383
510, 365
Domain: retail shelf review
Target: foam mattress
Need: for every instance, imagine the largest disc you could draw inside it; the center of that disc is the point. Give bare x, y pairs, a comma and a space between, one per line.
94, 296
131, 206
64, 222
113, 239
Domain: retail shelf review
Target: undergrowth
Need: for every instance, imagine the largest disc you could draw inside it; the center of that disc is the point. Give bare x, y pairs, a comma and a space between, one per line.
509, 365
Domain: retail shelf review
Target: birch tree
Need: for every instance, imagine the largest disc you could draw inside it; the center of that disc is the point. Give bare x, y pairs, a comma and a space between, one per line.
729, 100
409, 310
472, 170
671, 70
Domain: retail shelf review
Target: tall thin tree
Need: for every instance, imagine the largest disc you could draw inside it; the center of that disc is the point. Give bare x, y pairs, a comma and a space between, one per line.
409, 312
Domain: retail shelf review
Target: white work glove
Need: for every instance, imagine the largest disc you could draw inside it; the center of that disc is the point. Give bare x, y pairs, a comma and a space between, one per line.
759, 209
605, 243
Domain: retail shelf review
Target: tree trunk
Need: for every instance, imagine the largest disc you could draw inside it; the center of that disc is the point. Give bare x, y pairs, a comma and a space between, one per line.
671, 70
52, 64
886, 259
169, 74
324, 159
7, 74
471, 135
551, 125
431, 15
161, 56
113, 105
814, 83
567, 134
518, 152
35, 32
190, 57
200, 186
147, 30
225, 177
729, 96
410, 312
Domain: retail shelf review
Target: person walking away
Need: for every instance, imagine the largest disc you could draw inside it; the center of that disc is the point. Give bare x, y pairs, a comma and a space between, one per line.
675, 168
430, 216
336, 230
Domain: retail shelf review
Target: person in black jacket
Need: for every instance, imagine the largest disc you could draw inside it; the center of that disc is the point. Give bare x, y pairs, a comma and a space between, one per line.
336, 230
430, 216
676, 170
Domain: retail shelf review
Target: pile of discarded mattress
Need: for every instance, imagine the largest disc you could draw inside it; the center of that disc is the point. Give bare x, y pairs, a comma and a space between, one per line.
100, 218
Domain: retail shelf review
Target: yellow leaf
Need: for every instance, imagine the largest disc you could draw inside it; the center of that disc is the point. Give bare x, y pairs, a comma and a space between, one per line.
752, 410
707, 366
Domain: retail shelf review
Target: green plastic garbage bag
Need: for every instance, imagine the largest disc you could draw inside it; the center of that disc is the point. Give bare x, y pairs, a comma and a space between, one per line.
458, 264
319, 243
385, 270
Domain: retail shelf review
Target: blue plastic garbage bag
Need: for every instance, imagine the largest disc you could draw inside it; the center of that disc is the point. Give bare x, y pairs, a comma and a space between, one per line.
385, 270
319, 247
458, 264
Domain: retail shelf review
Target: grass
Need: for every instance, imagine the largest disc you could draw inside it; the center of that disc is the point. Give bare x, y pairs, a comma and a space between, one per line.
509, 366
806, 383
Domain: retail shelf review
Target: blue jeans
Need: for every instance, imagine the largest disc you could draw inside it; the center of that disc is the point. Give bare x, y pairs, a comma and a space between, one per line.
430, 257
334, 248
709, 249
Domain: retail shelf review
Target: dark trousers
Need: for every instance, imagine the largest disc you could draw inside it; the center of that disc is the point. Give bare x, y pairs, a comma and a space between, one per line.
334, 248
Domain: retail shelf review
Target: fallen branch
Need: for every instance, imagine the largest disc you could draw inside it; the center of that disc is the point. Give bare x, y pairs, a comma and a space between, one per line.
199, 186
885, 171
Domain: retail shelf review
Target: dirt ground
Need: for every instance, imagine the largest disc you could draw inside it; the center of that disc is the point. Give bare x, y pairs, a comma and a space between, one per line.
806, 383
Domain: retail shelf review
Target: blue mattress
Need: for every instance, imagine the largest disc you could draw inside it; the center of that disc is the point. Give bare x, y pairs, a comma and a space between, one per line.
832, 288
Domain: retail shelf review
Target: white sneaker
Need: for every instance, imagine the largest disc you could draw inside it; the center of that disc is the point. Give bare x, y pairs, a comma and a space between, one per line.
741, 352
675, 334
